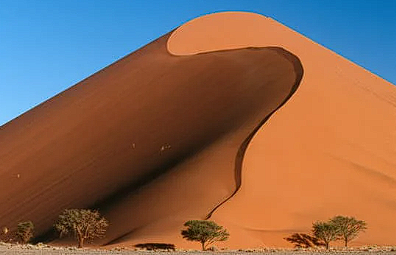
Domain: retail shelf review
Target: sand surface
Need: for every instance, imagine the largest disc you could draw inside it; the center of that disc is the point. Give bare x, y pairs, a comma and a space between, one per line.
232, 116
51, 250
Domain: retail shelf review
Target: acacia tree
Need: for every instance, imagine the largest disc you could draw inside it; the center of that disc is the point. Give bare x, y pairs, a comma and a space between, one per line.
205, 232
325, 231
82, 223
348, 227
25, 231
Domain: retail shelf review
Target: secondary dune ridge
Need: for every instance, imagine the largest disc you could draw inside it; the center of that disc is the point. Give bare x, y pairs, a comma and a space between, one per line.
195, 125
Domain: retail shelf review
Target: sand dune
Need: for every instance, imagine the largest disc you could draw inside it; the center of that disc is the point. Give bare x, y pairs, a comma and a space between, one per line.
330, 150
210, 120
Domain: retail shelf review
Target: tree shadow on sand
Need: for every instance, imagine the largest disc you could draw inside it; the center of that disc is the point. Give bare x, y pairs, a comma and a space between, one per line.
156, 246
301, 240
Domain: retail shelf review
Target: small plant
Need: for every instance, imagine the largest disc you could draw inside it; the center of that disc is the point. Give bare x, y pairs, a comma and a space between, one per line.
326, 232
25, 231
205, 232
83, 223
348, 227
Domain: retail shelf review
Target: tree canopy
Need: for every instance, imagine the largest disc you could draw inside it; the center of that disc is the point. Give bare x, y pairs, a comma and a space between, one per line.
25, 231
83, 223
348, 227
325, 231
205, 232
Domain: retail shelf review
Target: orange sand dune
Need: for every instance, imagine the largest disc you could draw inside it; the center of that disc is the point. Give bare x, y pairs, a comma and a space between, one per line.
210, 120
142, 139
330, 150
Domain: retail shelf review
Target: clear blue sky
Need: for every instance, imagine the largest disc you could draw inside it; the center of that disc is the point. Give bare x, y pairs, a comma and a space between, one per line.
48, 45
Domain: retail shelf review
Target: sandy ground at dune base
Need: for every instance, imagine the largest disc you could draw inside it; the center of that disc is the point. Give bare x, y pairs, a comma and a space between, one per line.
6, 248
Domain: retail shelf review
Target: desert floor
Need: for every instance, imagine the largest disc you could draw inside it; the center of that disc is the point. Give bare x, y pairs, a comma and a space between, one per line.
11, 249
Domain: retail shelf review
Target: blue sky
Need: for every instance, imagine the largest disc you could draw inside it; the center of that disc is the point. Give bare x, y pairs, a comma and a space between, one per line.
46, 46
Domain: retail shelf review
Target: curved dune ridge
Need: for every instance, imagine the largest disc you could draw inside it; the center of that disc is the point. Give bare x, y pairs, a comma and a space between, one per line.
207, 121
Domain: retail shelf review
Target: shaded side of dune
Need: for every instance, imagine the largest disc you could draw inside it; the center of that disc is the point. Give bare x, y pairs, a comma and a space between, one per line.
150, 137
299, 71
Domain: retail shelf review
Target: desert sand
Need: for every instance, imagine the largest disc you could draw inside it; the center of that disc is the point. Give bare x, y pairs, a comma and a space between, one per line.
12, 249
232, 117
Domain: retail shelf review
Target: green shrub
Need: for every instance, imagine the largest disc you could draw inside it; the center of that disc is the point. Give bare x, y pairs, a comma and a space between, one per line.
205, 232
325, 231
82, 223
25, 231
348, 227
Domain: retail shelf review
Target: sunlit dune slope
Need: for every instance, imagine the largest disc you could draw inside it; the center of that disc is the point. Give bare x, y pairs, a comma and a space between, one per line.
330, 150
151, 141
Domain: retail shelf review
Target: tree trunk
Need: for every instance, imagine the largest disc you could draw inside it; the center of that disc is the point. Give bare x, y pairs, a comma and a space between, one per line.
203, 246
346, 242
80, 242
327, 245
